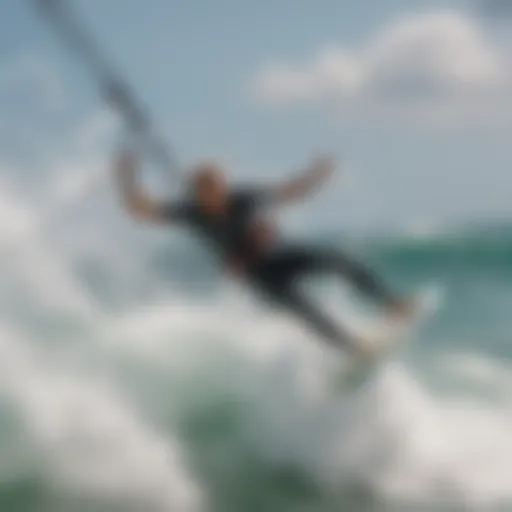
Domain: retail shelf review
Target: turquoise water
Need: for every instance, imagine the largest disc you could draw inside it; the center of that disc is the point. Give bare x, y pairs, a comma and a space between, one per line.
155, 387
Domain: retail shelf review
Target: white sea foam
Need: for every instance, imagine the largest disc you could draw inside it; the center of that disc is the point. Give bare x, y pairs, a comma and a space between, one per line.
89, 439
396, 437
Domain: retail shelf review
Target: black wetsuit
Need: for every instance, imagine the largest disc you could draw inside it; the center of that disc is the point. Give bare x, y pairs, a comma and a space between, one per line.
275, 271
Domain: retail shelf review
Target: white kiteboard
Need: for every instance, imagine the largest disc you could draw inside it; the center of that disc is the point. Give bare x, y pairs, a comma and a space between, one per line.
384, 340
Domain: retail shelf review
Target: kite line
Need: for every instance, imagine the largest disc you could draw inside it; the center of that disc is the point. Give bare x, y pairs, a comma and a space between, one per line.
113, 88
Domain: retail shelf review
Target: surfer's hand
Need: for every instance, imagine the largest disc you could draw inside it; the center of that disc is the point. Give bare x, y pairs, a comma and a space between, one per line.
323, 167
363, 350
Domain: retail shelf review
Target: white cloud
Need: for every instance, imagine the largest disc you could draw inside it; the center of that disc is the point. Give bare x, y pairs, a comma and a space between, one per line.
435, 60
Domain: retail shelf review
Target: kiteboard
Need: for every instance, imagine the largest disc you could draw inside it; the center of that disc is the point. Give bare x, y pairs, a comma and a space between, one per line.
384, 341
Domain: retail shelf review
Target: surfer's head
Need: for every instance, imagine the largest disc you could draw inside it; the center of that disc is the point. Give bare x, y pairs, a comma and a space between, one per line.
208, 185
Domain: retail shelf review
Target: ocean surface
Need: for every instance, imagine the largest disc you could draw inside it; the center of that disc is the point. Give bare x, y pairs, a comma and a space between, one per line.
134, 378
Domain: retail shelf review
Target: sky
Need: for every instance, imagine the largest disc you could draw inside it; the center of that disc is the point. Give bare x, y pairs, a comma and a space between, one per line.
411, 96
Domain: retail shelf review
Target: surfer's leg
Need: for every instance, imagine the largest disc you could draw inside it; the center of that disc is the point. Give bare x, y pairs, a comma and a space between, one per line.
276, 283
295, 302
364, 279
305, 260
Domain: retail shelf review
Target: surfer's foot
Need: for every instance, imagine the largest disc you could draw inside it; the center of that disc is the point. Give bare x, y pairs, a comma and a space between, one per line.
367, 352
363, 349
401, 309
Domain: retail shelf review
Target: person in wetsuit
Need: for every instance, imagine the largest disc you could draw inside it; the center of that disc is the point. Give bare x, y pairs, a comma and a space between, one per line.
231, 221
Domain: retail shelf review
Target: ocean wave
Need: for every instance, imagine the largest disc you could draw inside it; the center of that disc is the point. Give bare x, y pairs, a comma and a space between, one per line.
168, 401
85, 440
259, 401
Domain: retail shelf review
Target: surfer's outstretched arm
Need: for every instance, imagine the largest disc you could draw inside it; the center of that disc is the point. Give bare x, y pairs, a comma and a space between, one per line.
306, 183
134, 198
